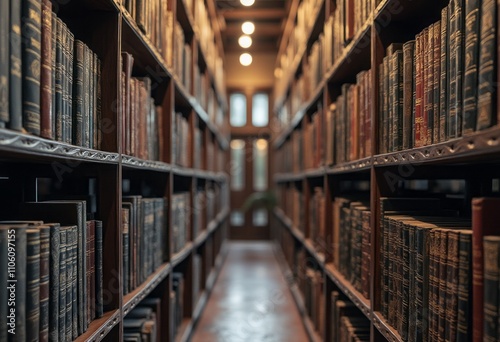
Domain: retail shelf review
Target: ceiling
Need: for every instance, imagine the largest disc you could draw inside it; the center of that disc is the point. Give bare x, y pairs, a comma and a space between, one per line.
267, 15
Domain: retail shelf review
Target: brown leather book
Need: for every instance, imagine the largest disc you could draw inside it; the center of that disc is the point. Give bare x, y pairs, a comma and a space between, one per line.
46, 110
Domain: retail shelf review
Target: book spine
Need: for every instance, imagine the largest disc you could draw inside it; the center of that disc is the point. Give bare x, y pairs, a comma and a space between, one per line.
491, 287
442, 285
445, 76
21, 286
436, 82
71, 276
88, 96
92, 286
422, 283
419, 79
31, 61
451, 121
4, 67
412, 313
405, 292
69, 46
53, 75
15, 73
428, 85
125, 237
44, 284
397, 100
54, 286
32, 284
487, 66
59, 82
472, 22
63, 285
81, 284
46, 113
88, 273
93, 103
99, 269
78, 94
408, 77
451, 286
460, 58
464, 287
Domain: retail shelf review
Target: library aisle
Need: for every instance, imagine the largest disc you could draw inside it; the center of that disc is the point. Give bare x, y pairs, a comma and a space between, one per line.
251, 300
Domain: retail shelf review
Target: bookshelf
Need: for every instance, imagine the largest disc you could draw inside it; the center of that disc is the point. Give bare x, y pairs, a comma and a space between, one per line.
179, 169
340, 159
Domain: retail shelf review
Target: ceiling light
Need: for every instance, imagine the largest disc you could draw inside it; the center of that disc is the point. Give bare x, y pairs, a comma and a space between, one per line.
248, 27
246, 59
245, 41
247, 2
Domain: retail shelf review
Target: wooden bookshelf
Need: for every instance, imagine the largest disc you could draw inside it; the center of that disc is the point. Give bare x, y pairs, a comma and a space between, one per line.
456, 166
34, 168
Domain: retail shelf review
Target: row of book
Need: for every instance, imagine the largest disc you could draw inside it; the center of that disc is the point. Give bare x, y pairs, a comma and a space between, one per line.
347, 323
312, 136
293, 205
205, 207
183, 58
181, 220
314, 297
143, 323
181, 140
51, 82
52, 279
317, 223
441, 85
142, 120
440, 271
351, 241
145, 238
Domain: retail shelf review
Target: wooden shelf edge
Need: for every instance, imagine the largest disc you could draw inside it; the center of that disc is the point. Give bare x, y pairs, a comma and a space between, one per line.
130, 300
210, 228
143, 164
476, 146
25, 145
346, 287
385, 329
99, 328
181, 255
363, 164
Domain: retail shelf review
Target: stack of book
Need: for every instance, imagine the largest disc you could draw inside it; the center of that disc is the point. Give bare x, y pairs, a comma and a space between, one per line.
441, 85
295, 206
141, 118
143, 323
313, 138
181, 216
51, 86
183, 57
317, 222
145, 238
54, 273
314, 297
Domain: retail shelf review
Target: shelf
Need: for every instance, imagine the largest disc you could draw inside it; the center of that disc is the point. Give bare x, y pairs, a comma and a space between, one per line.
290, 73
288, 223
480, 146
200, 305
100, 327
21, 146
288, 177
405, 10
211, 227
346, 287
181, 255
353, 166
385, 329
299, 115
130, 300
141, 164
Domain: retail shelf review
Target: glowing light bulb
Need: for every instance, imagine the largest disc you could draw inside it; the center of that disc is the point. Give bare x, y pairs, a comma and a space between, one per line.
247, 2
246, 59
245, 41
248, 27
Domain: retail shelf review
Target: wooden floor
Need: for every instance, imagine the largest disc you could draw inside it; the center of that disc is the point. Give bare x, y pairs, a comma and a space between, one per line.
251, 300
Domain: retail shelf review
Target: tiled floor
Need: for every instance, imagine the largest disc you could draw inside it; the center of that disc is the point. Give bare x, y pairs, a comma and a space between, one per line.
251, 301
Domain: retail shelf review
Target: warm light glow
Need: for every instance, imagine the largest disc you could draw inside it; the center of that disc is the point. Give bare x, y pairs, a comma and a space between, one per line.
246, 59
247, 2
278, 73
248, 27
245, 41
261, 144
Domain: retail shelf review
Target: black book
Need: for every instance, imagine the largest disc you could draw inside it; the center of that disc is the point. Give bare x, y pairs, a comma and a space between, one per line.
54, 255
71, 213
31, 64
98, 269
58, 108
78, 94
63, 233
125, 247
70, 275
464, 318
44, 282
4, 66
76, 311
32, 284
491, 288
15, 87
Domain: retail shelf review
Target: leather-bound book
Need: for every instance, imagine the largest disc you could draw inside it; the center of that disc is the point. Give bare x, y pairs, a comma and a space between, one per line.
46, 88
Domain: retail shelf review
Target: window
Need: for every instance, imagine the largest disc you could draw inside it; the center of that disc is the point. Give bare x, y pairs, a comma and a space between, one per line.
237, 218
238, 109
260, 110
259, 217
260, 164
237, 164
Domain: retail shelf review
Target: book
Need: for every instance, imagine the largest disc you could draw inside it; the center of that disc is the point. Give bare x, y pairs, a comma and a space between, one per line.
99, 262
32, 284
15, 71
4, 67
464, 317
491, 245
31, 64
44, 290
484, 222
54, 280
